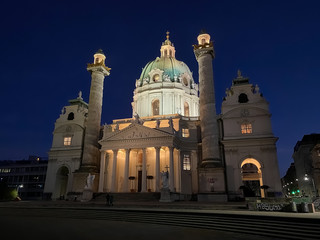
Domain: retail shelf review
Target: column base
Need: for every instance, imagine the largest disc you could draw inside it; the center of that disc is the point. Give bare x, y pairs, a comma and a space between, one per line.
86, 195
80, 180
212, 180
165, 195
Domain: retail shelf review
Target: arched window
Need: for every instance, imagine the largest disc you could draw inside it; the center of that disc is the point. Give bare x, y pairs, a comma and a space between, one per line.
185, 81
71, 116
186, 109
243, 98
203, 41
155, 107
156, 77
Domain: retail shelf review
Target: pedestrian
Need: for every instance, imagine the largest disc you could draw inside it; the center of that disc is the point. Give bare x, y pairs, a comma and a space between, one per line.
111, 200
108, 199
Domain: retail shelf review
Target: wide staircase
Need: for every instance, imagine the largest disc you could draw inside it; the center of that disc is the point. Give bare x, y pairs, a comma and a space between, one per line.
129, 197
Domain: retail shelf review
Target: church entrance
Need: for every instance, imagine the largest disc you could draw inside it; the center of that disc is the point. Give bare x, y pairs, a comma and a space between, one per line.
139, 180
251, 178
61, 183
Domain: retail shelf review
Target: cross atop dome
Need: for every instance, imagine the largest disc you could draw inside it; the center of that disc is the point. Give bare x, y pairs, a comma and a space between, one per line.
167, 48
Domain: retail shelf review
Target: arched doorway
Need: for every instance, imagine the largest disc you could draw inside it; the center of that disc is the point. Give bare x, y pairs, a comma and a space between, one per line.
251, 178
61, 183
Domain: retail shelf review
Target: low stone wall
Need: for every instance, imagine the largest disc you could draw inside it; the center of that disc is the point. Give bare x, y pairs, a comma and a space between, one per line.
279, 205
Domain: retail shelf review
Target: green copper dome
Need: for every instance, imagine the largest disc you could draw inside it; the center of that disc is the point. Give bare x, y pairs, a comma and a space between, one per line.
172, 69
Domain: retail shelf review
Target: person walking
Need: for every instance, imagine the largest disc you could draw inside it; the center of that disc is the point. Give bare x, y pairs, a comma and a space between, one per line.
111, 200
108, 199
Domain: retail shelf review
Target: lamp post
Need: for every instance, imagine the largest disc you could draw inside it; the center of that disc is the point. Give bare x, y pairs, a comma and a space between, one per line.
19, 186
306, 178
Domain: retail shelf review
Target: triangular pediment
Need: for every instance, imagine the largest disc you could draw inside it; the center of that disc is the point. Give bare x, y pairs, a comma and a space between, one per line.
136, 132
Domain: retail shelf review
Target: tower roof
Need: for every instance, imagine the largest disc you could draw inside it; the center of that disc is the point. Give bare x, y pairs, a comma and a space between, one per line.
240, 79
100, 51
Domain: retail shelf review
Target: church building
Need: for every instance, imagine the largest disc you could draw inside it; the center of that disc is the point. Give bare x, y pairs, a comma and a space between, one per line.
174, 140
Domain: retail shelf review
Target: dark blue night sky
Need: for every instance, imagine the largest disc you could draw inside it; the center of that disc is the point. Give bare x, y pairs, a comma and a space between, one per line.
46, 45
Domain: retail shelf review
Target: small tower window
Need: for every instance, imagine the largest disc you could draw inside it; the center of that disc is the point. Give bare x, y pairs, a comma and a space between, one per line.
185, 132
155, 107
243, 98
71, 116
246, 128
186, 109
67, 141
186, 162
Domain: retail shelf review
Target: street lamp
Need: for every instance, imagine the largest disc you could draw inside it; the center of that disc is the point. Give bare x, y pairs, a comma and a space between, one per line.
19, 186
306, 178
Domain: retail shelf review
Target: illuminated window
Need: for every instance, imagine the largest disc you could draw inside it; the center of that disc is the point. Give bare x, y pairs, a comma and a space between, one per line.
186, 109
186, 162
185, 132
67, 141
156, 77
155, 107
246, 128
185, 81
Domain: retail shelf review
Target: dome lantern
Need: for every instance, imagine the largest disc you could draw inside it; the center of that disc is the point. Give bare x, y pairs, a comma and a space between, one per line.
167, 48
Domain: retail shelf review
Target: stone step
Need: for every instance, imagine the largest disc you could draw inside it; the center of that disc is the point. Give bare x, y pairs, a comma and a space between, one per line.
128, 197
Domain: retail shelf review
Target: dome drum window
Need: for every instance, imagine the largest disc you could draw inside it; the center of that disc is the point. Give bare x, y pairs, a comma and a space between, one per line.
155, 107
156, 77
185, 81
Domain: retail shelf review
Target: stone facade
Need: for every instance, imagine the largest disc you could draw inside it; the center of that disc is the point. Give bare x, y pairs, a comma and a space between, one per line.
203, 154
67, 148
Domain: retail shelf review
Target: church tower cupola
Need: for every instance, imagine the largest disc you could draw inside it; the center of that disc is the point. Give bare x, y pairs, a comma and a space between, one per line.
99, 57
203, 38
167, 48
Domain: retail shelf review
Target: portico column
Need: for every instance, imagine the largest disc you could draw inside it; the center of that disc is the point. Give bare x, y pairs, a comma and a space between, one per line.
157, 174
171, 170
114, 170
126, 171
144, 172
102, 169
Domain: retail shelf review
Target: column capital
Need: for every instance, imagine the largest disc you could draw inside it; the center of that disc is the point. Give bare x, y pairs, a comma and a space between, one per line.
203, 51
98, 68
